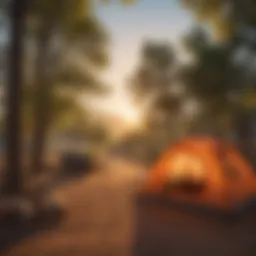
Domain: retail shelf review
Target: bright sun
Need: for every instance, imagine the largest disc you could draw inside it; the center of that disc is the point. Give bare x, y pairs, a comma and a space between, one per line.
132, 116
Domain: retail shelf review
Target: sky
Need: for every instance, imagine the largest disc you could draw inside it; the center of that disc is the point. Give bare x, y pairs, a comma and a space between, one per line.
129, 26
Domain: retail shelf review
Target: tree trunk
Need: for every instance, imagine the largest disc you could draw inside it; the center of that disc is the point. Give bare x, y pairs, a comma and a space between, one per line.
38, 144
41, 115
13, 182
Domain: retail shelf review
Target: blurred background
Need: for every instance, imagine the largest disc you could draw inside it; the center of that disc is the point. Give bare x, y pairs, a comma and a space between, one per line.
97, 90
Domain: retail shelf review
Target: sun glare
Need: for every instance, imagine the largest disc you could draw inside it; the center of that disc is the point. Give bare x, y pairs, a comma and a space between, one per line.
132, 116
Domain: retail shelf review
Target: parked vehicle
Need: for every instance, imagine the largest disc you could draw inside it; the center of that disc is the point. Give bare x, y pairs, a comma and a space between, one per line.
76, 162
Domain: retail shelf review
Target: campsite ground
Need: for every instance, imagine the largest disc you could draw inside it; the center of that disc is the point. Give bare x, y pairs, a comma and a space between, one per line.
102, 220
167, 231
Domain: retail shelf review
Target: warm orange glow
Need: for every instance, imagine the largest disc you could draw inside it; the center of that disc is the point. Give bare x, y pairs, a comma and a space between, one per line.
227, 177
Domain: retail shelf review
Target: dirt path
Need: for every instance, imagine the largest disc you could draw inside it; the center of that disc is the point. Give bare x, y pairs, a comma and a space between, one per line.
100, 221
99, 218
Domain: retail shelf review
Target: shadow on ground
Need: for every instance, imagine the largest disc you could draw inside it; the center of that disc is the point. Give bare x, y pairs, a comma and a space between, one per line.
14, 230
174, 229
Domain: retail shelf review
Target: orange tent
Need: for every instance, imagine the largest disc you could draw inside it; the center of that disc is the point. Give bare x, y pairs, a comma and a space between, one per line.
204, 171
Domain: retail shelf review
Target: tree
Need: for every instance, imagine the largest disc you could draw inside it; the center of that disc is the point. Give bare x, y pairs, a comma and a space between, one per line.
236, 20
70, 24
154, 73
154, 87
212, 78
228, 18
234, 25
13, 182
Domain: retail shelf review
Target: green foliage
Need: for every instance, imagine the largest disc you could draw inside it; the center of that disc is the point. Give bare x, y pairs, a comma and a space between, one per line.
75, 79
226, 17
216, 13
234, 17
158, 55
213, 76
152, 86
75, 44
216, 77
70, 51
125, 2
196, 41
154, 72
60, 13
